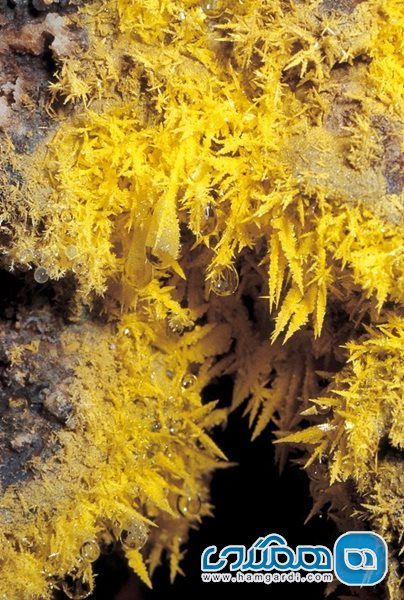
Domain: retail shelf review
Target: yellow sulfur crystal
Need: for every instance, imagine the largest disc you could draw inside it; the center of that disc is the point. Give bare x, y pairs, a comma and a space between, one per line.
208, 152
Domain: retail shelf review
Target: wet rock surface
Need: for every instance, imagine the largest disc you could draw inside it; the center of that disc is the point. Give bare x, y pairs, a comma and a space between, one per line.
34, 385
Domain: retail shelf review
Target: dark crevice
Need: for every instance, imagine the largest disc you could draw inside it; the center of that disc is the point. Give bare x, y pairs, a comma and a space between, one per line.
48, 57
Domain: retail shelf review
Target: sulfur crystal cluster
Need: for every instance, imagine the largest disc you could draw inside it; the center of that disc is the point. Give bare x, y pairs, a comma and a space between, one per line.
191, 189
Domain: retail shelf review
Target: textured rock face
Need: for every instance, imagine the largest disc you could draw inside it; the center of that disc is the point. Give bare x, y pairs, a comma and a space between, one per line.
35, 37
35, 381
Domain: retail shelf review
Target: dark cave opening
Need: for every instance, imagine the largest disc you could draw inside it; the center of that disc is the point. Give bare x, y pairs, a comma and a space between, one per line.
251, 500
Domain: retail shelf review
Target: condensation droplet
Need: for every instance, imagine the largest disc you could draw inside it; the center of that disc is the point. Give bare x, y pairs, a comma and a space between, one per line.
175, 326
189, 505
41, 275
156, 426
76, 589
71, 252
209, 220
127, 332
315, 473
225, 282
172, 426
188, 381
213, 8
90, 550
323, 409
135, 536
152, 258
196, 174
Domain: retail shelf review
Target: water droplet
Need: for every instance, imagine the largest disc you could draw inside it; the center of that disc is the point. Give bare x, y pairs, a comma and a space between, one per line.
225, 282
135, 536
127, 332
41, 275
175, 326
156, 426
196, 174
213, 8
189, 506
23, 263
71, 252
172, 426
76, 589
90, 550
315, 473
209, 220
188, 381
323, 409
152, 258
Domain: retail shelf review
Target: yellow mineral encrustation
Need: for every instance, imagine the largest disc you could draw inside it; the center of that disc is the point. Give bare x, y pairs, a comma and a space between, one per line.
197, 154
